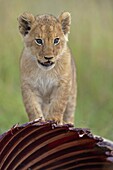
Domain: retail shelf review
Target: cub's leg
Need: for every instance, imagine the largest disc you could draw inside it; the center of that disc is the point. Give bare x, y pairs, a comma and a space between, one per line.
70, 110
58, 102
71, 104
32, 102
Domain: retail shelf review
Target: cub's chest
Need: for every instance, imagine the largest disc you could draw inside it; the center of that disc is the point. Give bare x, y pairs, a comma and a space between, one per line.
45, 83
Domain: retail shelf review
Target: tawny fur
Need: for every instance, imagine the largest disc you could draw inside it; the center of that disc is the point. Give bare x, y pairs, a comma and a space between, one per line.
48, 91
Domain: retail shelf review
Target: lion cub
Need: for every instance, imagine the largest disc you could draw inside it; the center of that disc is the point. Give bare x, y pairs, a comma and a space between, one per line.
48, 77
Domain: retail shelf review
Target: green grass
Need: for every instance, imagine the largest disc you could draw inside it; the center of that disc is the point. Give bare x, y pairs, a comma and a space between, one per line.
91, 42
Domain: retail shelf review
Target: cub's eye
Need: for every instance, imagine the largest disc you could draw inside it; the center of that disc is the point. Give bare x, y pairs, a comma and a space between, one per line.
56, 41
39, 41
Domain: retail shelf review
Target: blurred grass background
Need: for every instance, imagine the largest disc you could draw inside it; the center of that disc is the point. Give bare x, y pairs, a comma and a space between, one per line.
91, 42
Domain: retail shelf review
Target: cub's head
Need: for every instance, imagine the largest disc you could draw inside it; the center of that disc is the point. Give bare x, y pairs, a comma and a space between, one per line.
45, 36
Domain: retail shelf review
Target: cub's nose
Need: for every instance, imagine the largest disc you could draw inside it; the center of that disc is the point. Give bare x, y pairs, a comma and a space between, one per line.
48, 57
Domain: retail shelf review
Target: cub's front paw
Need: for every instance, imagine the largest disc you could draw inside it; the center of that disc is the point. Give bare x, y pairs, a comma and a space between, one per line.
54, 118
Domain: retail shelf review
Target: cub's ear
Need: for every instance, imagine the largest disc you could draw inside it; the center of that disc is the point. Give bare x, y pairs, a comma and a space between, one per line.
25, 23
65, 20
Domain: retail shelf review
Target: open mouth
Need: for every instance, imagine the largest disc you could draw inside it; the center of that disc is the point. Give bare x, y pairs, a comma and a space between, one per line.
46, 64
